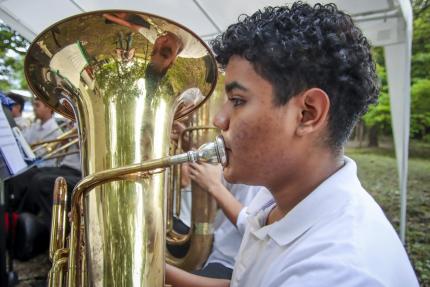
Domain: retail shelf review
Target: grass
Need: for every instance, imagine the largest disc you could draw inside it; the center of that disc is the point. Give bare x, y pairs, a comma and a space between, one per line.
377, 171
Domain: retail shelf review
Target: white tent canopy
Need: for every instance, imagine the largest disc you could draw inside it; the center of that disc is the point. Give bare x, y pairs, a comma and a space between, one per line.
386, 23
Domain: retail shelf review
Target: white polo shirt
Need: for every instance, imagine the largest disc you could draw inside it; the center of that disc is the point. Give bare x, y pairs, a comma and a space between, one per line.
227, 236
39, 132
23, 123
336, 236
72, 160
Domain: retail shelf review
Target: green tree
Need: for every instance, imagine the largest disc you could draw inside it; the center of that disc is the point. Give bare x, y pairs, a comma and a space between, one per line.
420, 105
378, 119
12, 51
421, 43
420, 90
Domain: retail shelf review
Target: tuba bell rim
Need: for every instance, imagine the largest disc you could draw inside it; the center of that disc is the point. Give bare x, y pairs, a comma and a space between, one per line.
65, 109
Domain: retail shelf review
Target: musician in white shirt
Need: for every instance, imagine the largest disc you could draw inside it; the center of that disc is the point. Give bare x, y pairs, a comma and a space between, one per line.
31, 190
297, 80
44, 128
232, 199
22, 122
227, 237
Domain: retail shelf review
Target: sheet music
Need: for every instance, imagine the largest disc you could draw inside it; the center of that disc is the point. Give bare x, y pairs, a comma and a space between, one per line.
69, 63
9, 147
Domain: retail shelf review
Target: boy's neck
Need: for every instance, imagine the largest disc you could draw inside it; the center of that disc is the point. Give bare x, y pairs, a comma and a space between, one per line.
44, 120
312, 172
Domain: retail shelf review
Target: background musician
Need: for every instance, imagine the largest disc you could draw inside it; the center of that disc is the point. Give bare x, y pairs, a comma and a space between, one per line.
44, 128
232, 200
17, 108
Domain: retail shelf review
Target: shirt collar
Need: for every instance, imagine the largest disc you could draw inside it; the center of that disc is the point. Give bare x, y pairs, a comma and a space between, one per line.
47, 124
332, 194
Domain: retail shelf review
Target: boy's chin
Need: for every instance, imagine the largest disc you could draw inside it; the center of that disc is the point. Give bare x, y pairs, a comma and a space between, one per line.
229, 175
232, 176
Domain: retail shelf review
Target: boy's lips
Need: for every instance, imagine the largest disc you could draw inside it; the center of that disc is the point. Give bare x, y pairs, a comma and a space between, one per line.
226, 146
226, 141
229, 153
227, 149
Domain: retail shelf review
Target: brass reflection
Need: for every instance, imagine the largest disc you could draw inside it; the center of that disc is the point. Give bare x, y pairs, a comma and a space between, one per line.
121, 75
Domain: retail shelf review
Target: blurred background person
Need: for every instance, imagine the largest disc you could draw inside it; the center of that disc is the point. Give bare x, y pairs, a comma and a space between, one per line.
44, 128
22, 122
31, 194
6, 105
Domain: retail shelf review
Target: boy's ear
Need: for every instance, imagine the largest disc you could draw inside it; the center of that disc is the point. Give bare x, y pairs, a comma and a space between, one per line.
314, 108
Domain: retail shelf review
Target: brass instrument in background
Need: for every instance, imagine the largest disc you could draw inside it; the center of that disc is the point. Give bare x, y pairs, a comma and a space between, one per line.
54, 148
123, 96
199, 131
44, 140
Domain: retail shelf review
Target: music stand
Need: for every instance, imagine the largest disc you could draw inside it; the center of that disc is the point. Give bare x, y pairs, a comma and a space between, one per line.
7, 276
10, 163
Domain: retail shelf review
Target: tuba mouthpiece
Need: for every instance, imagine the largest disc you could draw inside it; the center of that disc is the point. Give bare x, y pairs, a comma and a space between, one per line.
212, 152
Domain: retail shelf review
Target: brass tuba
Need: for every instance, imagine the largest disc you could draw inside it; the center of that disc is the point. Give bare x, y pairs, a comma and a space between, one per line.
111, 72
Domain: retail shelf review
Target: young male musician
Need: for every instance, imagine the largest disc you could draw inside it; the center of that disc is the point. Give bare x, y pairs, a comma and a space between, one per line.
43, 128
232, 200
297, 79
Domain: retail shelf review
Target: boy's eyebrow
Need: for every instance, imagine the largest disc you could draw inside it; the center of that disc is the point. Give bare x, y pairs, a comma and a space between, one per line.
234, 85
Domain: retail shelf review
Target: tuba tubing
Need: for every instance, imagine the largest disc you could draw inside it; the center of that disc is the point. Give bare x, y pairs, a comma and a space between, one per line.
210, 152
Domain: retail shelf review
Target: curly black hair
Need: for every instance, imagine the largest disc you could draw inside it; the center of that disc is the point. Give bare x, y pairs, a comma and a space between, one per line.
299, 47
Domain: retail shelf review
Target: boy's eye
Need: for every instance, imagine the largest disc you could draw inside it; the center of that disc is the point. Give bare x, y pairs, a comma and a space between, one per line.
237, 101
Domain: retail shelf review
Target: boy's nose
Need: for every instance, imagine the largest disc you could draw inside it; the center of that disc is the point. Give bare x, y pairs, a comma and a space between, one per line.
221, 119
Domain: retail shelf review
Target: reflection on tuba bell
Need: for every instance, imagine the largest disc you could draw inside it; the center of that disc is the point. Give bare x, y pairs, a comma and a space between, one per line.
124, 95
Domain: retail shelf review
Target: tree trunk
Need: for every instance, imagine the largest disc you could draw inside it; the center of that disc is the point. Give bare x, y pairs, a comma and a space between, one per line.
373, 136
360, 132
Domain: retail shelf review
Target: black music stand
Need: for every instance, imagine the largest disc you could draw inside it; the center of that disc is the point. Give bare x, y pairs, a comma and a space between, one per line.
8, 277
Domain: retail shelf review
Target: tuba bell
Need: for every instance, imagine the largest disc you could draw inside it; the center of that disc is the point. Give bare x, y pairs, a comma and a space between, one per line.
109, 71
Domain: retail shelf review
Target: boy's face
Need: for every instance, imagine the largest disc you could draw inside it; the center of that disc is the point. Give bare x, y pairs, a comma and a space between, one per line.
41, 111
165, 51
259, 135
16, 110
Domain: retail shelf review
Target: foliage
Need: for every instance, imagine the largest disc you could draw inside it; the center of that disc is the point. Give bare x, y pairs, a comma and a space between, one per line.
420, 90
379, 116
420, 105
12, 51
11, 40
421, 26
118, 80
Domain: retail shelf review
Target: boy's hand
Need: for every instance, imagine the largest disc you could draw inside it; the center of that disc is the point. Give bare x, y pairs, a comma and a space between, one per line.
207, 176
